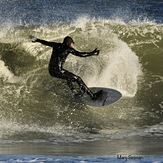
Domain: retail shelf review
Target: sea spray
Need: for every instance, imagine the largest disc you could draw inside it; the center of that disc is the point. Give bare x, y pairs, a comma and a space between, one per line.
5, 73
122, 70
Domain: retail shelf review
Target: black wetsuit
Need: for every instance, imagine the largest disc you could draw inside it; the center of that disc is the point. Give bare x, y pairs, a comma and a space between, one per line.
59, 54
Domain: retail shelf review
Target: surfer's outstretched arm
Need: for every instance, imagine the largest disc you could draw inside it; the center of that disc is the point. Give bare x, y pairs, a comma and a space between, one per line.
47, 43
85, 54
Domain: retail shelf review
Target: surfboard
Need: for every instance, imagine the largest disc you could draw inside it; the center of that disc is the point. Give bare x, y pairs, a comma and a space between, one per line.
109, 96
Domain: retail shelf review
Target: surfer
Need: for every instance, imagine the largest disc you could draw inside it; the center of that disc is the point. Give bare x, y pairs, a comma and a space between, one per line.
59, 54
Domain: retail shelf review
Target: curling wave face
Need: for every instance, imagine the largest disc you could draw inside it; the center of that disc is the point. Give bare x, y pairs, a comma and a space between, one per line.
130, 61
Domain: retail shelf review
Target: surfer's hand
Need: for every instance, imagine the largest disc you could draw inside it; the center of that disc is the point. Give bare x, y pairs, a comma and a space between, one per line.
95, 52
33, 38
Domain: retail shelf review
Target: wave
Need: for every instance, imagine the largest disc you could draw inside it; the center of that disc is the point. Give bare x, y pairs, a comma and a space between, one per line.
116, 56
30, 96
62, 134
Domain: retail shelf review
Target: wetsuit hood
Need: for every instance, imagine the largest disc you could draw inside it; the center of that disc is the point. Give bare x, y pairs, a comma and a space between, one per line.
67, 41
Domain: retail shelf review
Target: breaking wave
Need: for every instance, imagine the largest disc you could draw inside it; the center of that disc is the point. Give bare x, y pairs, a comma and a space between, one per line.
30, 96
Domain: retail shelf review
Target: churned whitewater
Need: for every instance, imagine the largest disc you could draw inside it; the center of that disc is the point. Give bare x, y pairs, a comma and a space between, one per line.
36, 108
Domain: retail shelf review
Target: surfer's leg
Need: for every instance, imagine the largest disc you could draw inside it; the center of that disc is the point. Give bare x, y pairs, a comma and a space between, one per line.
74, 91
70, 84
84, 87
70, 77
74, 78
62, 75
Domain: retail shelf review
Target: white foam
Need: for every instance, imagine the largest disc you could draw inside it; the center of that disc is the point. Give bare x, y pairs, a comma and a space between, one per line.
122, 70
5, 73
5, 28
82, 22
9, 128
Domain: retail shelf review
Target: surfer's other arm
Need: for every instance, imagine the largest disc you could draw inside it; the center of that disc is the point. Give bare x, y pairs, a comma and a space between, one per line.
85, 54
47, 43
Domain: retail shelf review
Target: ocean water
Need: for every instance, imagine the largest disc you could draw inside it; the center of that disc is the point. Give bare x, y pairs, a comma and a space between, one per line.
40, 119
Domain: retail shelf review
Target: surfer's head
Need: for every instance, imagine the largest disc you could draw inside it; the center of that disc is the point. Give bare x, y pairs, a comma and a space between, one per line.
68, 41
